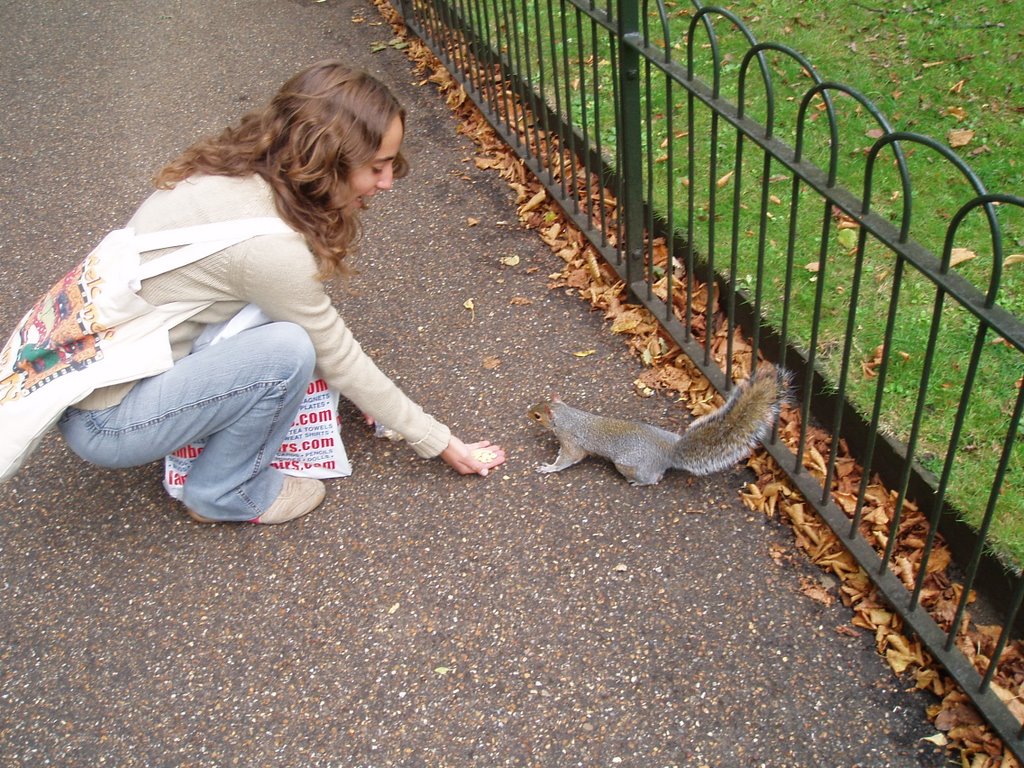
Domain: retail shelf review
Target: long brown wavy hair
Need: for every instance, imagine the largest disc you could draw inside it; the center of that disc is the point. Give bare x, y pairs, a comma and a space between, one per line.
324, 122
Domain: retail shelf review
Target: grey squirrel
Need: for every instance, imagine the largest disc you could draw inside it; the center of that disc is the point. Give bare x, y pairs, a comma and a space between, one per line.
642, 452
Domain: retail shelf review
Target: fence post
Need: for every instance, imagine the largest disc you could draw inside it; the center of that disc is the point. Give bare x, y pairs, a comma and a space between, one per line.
629, 130
405, 8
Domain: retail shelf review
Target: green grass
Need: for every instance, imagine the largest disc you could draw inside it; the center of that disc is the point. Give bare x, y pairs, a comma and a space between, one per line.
930, 68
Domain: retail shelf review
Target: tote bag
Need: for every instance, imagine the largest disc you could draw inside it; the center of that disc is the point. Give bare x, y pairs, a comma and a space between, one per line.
312, 447
92, 329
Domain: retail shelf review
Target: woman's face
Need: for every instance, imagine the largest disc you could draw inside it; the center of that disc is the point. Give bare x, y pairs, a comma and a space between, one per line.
366, 180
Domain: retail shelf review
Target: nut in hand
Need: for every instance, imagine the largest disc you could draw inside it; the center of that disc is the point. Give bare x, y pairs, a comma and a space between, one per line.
484, 456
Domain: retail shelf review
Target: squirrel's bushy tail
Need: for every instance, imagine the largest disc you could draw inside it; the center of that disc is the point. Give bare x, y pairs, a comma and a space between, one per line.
718, 440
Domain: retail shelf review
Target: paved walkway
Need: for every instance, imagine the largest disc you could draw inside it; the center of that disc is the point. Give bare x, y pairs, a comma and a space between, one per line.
418, 618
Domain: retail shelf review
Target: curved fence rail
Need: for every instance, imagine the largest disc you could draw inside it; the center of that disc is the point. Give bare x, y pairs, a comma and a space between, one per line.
870, 261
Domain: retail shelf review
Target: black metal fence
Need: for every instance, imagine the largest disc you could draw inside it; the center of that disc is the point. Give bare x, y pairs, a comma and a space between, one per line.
740, 195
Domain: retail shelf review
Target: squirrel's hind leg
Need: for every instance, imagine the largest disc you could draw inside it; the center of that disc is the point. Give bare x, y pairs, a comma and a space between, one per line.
568, 455
636, 477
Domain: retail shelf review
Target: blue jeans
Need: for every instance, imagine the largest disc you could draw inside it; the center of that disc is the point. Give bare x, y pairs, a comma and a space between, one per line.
241, 394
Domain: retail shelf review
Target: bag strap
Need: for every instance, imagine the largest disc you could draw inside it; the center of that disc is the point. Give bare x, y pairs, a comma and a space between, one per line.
219, 230
201, 240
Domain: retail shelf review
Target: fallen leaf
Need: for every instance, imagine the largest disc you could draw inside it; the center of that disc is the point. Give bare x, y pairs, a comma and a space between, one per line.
725, 179
1011, 700
869, 367
534, 201
899, 656
520, 301
550, 234
510, 261
1017, 258
584, 353
879, 617
486, 163
959, 137
641, 389
960, 255
471, 222
956, 715
491, 362
812, 267
569, 253
626, 323
847, 238
816, 591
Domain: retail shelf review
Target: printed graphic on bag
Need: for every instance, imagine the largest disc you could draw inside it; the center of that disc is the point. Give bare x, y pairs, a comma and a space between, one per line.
313, 438
58, 334
312, 447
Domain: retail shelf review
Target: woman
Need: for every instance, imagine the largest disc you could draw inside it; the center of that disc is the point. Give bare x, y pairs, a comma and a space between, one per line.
327, 142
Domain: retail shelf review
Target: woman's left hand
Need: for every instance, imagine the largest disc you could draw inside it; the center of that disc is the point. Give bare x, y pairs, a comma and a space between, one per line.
473, 459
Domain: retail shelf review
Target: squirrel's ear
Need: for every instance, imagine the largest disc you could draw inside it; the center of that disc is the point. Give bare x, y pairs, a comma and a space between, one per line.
555, 398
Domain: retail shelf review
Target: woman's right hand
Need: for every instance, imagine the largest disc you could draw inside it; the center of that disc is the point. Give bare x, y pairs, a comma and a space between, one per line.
474, 459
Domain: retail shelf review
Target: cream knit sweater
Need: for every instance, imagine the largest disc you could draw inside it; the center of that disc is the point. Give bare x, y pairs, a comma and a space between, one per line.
278, 274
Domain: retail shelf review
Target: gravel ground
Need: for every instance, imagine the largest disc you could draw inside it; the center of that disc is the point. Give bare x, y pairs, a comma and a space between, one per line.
418, 618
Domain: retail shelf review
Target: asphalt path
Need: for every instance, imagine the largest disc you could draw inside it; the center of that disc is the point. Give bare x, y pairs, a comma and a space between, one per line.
418, 618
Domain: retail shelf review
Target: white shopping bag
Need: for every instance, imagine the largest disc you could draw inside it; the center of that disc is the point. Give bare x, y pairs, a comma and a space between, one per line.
312, 447
92, 329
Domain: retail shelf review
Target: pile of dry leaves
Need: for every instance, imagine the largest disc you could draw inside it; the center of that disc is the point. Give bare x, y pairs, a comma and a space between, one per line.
668, 369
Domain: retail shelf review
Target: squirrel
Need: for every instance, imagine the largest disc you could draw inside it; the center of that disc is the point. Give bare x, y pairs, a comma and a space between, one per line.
643, 452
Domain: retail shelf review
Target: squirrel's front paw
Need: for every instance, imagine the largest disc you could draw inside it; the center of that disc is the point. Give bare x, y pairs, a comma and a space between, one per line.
544, 468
